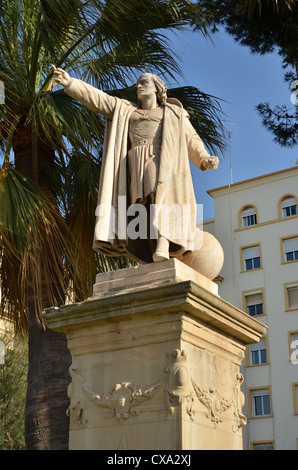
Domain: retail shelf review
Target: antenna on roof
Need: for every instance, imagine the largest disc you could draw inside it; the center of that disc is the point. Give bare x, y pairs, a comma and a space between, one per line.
230, 145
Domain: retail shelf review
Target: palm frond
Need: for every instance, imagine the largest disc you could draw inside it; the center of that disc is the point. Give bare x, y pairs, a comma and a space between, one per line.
60, 117
205, 114
134, 17
132, 36
19, 205
122, 64
34, 242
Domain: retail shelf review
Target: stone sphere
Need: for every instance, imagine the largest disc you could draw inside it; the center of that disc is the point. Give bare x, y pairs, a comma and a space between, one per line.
207, 257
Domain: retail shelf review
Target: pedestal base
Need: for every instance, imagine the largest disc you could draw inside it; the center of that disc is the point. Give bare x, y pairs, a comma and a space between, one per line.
155, 366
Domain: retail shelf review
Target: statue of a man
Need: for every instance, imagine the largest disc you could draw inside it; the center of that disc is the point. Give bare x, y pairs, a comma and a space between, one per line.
145, 164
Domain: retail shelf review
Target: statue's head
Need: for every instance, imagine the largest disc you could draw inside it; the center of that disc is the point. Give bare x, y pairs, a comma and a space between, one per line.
156, 84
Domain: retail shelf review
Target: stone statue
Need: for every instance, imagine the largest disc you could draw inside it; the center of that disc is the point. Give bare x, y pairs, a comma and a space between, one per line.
145, 169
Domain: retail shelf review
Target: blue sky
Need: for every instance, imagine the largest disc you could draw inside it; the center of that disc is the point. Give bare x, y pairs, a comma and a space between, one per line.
243, 80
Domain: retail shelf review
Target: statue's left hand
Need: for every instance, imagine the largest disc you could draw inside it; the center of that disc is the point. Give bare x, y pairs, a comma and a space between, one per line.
210, 163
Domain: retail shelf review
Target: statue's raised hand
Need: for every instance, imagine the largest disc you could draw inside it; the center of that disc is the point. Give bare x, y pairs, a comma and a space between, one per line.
60, 76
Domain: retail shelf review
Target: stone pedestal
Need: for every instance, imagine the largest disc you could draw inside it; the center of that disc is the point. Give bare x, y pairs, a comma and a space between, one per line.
156, 362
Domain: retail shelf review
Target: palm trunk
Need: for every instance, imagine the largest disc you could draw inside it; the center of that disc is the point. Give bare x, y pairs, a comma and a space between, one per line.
46, 422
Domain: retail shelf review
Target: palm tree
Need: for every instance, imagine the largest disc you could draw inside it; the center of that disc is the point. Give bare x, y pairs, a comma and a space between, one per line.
50, 162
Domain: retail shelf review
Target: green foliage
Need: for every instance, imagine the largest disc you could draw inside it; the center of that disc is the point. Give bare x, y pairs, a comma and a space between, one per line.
261, 25
266, 26
13, 375
282, 124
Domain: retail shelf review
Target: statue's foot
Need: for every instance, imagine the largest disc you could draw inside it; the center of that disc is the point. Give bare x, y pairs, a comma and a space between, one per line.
162, 250
160, 256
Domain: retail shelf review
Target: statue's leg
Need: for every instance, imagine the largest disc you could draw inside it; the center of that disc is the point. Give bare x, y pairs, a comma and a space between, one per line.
160, 246
162, 250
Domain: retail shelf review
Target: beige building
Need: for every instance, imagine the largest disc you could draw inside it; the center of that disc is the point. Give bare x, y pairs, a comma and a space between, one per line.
256, 221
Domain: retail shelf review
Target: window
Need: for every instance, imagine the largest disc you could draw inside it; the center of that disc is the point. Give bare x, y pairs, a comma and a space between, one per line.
290, 249
288, 207
249, 217
260, 403
295, 397
258, 353
251, 258
291, 295
254, 304
262, 445
293, 346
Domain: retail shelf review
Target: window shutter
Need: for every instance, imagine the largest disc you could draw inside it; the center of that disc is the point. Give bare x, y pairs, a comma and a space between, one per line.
293, 296
289, 201
258, 346
253, 252
249, 217
248, 212
291, 244
254, 299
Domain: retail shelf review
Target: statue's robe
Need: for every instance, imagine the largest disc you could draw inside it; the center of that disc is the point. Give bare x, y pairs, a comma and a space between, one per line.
174, 190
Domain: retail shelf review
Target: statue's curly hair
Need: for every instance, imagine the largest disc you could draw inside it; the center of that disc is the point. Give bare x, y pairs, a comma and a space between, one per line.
161, 88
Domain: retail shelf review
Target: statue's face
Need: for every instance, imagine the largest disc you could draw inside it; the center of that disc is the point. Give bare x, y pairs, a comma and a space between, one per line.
145, 87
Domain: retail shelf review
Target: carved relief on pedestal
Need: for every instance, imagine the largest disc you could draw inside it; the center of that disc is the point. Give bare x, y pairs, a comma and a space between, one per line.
182, 388
124, 399
213, 401
178, 386
76, 394
239, 403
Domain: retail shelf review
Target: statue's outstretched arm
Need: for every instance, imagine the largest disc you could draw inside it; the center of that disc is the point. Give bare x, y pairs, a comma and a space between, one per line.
94, 99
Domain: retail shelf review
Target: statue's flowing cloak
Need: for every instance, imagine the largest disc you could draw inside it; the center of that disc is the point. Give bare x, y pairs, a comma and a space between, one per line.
174, 192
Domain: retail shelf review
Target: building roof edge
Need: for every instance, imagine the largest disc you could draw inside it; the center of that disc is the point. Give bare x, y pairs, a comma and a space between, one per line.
256, 178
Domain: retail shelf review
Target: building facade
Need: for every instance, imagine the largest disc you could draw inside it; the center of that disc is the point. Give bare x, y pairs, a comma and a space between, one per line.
256, 222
